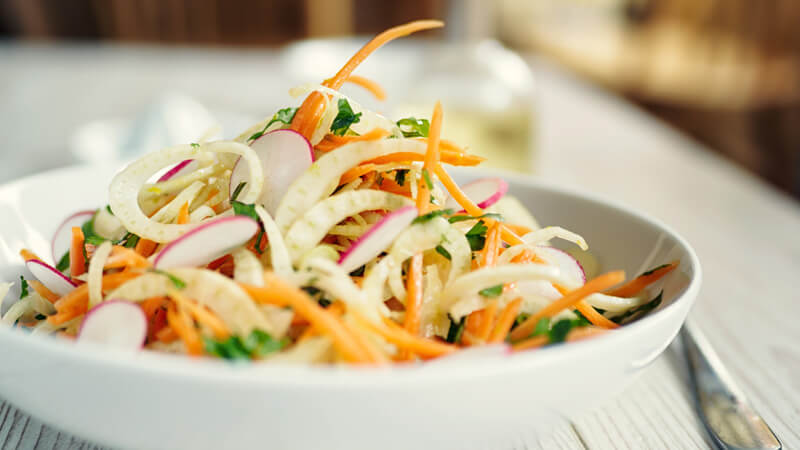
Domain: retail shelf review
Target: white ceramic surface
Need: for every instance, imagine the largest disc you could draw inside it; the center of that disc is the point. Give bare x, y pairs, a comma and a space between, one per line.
157, 401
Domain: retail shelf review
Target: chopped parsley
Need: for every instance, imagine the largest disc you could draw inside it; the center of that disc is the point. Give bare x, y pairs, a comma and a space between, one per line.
238, 190
556, 333
493, 291
542, 326
284, 115
89, 235
443, 251
427, 177
462, 218
358, 272
257, 344
522, 317
436, 213
413, 127
476, 236
23, 288
245, 209
177, 282
400, 176
195, 145
639, 311
344, 118
130, 240
63, 263
456, 330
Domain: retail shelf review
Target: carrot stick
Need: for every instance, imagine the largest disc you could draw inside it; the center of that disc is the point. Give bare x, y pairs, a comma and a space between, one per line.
307, 117
125, 257
414, 298
28, 255
77, 261
576, 334
518, 229
569, 300
487, 320
184, 328
403, 339
530, 343
505, 321
389, 185
447, 157
588, 311
166, 335
355, 172
277, 291
636, 285
431, 159
76, 302
491, 248
201, 314
43, 291
183, 214
332, 141
151, 305
373, 87
336, 308
145, 247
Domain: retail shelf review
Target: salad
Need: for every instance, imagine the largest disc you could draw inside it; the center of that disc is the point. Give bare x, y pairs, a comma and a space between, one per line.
326, 233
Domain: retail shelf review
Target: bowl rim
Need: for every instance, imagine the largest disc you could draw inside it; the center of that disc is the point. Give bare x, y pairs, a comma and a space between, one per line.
276, 375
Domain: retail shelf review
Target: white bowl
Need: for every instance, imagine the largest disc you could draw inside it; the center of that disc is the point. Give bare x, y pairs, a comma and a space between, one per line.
150, 400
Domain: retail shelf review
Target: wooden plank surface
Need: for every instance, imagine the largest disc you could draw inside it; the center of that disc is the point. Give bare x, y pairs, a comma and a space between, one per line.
744, 231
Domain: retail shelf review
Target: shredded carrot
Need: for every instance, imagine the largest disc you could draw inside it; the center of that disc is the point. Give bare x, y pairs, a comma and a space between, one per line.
43, 291
214, 265
395, 334
588, 311
145, 247
414, 297
277, 291
308, 115
183, 214
531, 343
77, 261
184, 328
431, 160
577, 334
373, 87
638, 284
487, 321
151, 305
76, 302
28, 255
124, 257
201, 314
355, 172
389, 185
516, 228
447, 157
492, 246
331, 141
597, 284
505, 321
336, 308
166, 335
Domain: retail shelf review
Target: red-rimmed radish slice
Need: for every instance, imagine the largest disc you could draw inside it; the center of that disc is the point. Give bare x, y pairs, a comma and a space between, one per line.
473, 354
485, 192
378, 238
179, 169
206, 242
50, 277
284, 155
569, 266
62, 239
115, 323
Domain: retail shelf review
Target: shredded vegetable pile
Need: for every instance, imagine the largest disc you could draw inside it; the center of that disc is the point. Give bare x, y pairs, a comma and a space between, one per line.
326, 233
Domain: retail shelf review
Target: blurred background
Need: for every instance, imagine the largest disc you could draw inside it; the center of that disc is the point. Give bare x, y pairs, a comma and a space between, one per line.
139, 73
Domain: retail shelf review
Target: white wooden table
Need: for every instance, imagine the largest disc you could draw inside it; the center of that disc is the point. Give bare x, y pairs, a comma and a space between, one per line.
745, 232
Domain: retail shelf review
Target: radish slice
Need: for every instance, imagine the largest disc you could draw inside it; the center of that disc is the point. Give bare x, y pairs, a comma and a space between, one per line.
207, 242
181, 168
485, 192
378, 238
569, 266
62, 239
115, 323
284, 155
50, 277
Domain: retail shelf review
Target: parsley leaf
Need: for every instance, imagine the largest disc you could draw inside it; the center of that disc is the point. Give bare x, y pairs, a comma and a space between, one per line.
436, 213
89, 235
427, 177
522, 317
194, 145
344, 118
639, 311
493, 291
462, 218
476, 236
400, 176
244, 209
542, 326
130, 240
238, 190
177, 282
560, 330
284, 115
413, 127
23, 288
443, 251
256, 344
358, 272
456, 330
63, 263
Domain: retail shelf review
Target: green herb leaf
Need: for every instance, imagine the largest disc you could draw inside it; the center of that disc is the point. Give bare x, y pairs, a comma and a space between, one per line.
427, 177
521, 317
560, 330
40, 317
108, 208
443, 251
89, 235
542, 326
344, 118
436, 213
358, 272
493, 291
256, 344
63, 263
244, 209
284, 115
413, 127
131, 240
476, 236
238, 190
400, 176
177, 282
650, 272
639, 311
23, 288
462, 218
194, 145
259, 238
456, 330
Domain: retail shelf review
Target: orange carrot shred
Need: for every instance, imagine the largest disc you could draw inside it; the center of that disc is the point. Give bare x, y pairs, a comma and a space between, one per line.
77, 261
43, 291
638, 284
505, 321
373, 87
588, 311
145, 247
28, 255
183, 214
184, 328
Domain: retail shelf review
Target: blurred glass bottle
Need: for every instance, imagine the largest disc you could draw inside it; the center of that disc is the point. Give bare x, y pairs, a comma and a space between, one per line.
486, 91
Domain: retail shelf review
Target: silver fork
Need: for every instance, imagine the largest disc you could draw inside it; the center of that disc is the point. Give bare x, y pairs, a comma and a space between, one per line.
725, 411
